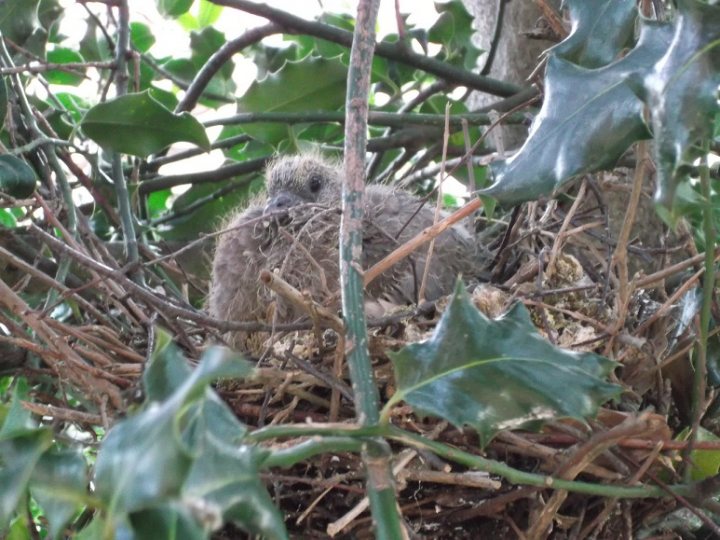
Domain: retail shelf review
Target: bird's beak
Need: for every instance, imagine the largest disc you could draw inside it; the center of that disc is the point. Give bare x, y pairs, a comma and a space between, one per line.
282, 201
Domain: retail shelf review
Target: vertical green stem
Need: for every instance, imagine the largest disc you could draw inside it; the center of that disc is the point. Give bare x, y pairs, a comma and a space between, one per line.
376, 454
700, 379
121, 84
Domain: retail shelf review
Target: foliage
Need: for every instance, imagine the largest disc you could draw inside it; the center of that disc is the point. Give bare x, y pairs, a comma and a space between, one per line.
93, 286
676, 77
454, 374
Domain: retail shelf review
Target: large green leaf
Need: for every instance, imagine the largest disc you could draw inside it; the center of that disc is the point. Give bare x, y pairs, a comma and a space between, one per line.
17, 178
588, 119
225, 474
167, 370
600, 30
50, 13
150, 472
131, 477
19, 19
497, 374
59, 485
173, 521
682, 92
18, 457
312, 84
139, 125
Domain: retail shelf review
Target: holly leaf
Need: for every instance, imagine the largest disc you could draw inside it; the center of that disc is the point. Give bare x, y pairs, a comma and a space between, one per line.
599, 107
19, 19
600, 30
682, 93
311, 84
497, 374
17, 178
59, 485
139, 125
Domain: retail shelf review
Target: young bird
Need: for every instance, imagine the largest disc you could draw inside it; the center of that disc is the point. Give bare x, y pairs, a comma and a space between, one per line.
294, 232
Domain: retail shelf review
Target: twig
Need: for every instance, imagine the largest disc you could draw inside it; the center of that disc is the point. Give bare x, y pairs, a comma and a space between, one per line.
438, 205
217, 61
377, 118
619, 258
290, 293
419, 239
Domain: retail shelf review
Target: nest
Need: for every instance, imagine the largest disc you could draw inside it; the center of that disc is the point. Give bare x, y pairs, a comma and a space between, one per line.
569, 263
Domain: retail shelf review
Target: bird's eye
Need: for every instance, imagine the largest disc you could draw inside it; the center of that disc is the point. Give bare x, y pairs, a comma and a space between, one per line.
315, 183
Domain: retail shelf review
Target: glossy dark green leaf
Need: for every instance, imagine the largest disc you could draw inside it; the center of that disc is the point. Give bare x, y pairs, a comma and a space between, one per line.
312, 84
682, 93
167, 521
19, 419
141, 36
173, 8
19, 19
600, 31
131, 477
137, 124
167, 370
497, 374
62, 55
59, 485
17, 178
49, 14
165, 98
588, 119
225, 474
18, 458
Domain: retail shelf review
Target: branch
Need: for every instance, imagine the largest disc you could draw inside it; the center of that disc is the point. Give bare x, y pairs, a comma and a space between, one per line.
218, 59
454, 75
378, 118
221, 173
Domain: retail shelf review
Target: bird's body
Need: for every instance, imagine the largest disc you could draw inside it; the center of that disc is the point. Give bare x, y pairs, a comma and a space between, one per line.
302, 246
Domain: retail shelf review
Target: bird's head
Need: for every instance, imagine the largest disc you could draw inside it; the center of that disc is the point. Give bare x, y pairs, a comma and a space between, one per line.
293, 180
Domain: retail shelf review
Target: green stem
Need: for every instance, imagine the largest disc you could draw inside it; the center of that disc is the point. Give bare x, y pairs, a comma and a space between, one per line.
121, 190
287, 457
377, 453
708, 290
471, 461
